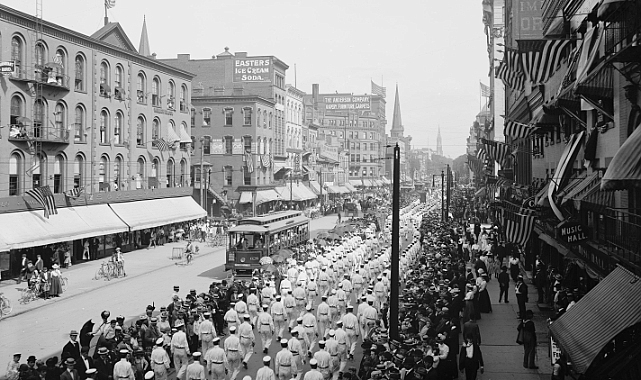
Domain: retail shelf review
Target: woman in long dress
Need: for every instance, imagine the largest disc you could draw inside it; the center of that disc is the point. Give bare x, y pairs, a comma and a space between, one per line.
485, 306
468, 311
56, 282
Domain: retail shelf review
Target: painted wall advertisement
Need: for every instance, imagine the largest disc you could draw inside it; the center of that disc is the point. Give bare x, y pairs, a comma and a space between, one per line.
255, 69
528, 19
338, 102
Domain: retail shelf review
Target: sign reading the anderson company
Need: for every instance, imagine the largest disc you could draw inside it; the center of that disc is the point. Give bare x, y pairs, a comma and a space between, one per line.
572, 232
255, 69
348, 102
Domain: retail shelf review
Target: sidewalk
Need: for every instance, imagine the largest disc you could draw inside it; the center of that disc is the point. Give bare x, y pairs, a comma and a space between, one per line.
137, 263
503, 357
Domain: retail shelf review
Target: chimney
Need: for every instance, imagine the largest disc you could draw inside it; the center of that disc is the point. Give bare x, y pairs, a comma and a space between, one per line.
241, 54
315, 89
184, 57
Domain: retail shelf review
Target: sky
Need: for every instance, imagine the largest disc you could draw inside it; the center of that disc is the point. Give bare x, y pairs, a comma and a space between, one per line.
433, 50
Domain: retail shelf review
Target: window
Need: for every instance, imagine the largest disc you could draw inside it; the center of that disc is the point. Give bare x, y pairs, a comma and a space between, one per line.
104, 79
372, 146
79, 125
78, 170
247, 116
58, 174
229, 112
140, 131
229, 144
155, 92
40, 57
193, 117
280, 81
117, 172
247, 144
39, 118
264, 119
206, 117
140, 173
15, 167
103, 173
118, 77
155, 131
118, 138
247, 177
16, 110
140, 89
16, 55
183, 98
80, 73
59, 71
228, 176
60, 116
170, 173
39, 172
155, 166
104, 127
171, 96
206, 144
269, 121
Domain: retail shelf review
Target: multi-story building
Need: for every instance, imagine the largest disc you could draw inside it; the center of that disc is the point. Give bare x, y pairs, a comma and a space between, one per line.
86, 113
294, 124
573, 116
239, 119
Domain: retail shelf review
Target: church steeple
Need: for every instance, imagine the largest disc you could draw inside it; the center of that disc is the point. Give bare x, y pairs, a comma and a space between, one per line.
143, 47
397, 123
439, 143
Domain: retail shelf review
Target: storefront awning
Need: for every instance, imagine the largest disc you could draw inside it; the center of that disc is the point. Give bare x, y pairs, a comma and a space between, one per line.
572, 184
613, 305
172, 136
331, 189
158, 212
386, 181
342, 189
315, 187
624, 171
596, 199
245, 197
269, 195
349, 187
295, 192
563, 170
579, 188
367, 183
31, 229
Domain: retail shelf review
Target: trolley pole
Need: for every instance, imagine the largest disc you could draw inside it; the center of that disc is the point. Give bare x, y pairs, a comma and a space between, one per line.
395, 281
442, 196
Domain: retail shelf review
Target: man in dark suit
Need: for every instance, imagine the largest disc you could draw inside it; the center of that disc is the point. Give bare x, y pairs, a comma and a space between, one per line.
504, 283
104, 365
470, 359
521, 295
85, 362
70, 373
72, 348
471, 330
39, 263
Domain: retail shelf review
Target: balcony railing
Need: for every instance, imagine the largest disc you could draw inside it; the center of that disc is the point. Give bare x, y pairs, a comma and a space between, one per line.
620, 231
623, 28
39, 133
49, 76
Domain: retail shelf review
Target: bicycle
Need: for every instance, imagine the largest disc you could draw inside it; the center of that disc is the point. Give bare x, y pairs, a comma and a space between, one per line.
63, 282
104, 271
28, 295
5, 305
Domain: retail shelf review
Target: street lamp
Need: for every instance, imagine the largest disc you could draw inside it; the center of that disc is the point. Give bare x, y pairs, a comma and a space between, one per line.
202, 168
442, 195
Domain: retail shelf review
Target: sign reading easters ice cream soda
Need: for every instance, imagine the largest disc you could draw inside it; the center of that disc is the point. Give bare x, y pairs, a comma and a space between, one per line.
255, 69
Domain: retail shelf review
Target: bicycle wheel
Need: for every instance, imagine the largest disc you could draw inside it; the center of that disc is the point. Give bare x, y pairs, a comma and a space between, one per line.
64, 281
6, 306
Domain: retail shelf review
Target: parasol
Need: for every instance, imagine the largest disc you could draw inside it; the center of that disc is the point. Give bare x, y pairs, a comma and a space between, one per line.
322, 242
285, 253
266, 260
277, 259
269, 268
333, 236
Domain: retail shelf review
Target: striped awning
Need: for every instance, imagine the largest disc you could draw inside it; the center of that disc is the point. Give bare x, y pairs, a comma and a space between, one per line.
184, 136
624, 170
612, 306
315, 187
367, 182
356, 182
542, 195
172, 136
349, 187
598, 84
564, 169
579, 188
596, 199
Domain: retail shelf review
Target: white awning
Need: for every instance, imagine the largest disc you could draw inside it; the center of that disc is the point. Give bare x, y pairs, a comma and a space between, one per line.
263, 196
184, 136
172, 136
31, 229
245, 197
157, 212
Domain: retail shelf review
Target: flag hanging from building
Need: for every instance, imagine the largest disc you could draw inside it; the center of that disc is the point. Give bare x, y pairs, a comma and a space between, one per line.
517, 130
110, 4
498, 151
485, 90
504, 183
540, 58
75, 192
44, 196
518, 225
509, 70
481, 155
161, 144
378, 90
475, 165
249, 162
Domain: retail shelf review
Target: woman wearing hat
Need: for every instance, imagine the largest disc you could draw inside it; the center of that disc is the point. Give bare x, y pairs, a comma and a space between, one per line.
56, 283
485, 305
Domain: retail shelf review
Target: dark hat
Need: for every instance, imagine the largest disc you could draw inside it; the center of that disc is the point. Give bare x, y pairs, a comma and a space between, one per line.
31, 358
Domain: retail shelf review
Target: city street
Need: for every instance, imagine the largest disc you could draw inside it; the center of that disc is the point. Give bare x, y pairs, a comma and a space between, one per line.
41, 327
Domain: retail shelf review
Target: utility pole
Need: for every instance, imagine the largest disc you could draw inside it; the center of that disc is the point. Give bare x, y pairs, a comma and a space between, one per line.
394, 291
202, 174
449, 190
442, 196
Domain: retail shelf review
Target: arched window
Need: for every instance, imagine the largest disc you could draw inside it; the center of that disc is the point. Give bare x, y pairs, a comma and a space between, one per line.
61, 67
155, 131
183, 172
183, 98
40, 115
206, 144
171, 95
154, 168
141, 85
58, 174
105, 88
155, 92
60, 115
118, 173
79, 124
80, 73
16, 111
104, 127
39, 61
118, 130
140, 173
140, 131
15, 171
17, 55
264, 119
170, 173
103, 173
152, 181
118, 77
78, 171
39, 172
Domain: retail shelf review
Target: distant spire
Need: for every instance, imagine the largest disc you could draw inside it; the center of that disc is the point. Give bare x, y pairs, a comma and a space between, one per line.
439, 143
397, 123
143, 47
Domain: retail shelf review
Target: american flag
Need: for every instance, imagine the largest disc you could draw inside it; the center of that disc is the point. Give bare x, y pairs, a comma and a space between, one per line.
378, 90
498, 151
540, 58
161, 144
518, 225
485, 91
44, 196
509, 70
476, 165
75, 192
249, 162
517, 130
110, 4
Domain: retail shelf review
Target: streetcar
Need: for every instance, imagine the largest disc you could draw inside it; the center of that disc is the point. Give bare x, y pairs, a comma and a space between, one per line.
261, 236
